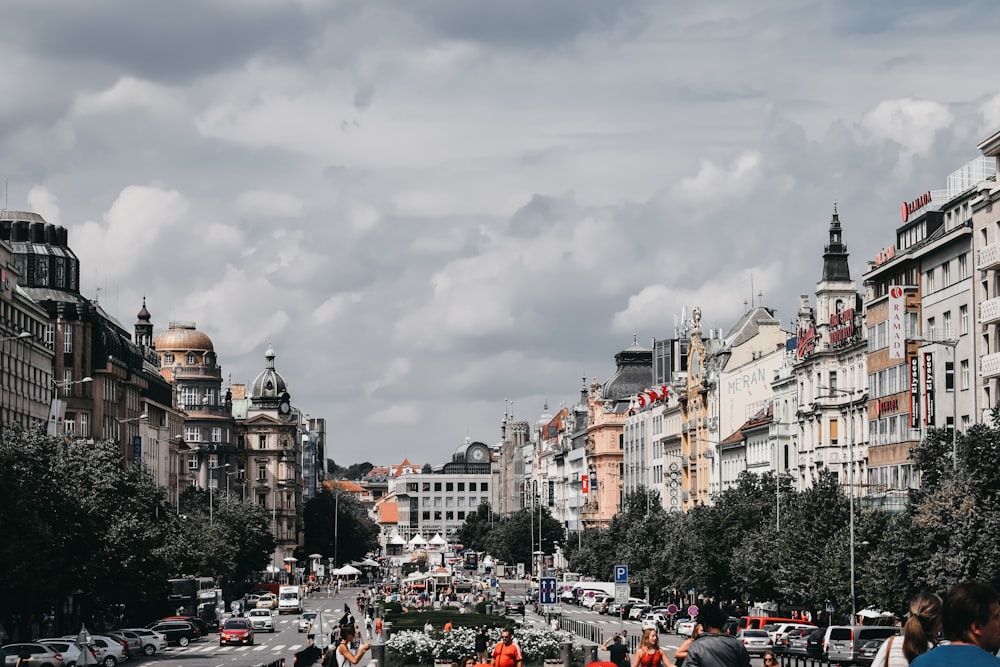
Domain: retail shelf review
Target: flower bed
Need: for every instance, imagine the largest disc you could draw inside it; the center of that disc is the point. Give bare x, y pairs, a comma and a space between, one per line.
411, 647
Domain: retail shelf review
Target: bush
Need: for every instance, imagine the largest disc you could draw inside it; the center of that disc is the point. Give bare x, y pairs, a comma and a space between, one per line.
413, 647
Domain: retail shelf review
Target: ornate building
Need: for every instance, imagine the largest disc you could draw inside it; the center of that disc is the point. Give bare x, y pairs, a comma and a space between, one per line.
269, 455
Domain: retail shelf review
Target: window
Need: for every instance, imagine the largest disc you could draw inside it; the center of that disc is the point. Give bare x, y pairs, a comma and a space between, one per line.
461, 486
168, 358
949, 376
963, 319
192, 462
411, 487
946, 325
426, 516
833, 382
964, 369
241, 471
67, 381
216, 434
472, 486
50, 334
437, 486
84, 425
834, 428
946, 274
931, 322
68, 339
190, 359
426, 486
192, 434
963, 267
189, 396
461, 516
262, 499
437, 501
262, 472
482, 487
449, 486
449, 516
262, 442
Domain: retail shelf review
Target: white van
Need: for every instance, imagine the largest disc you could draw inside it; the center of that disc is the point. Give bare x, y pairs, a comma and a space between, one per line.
289, 600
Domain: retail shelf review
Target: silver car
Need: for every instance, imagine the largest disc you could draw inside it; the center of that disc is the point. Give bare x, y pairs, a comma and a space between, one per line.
69, 650
39, 655
151, 641
261, 619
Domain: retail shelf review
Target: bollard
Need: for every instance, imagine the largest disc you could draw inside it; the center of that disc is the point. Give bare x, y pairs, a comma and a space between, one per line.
592, 653
566, 653
386, 626
378, 654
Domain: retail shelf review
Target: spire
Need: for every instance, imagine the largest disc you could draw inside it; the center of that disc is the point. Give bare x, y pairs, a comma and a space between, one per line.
835, 266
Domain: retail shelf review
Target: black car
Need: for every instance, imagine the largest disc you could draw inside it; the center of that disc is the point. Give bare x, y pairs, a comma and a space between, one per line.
814, 643
513, 607
177, 632
866, 654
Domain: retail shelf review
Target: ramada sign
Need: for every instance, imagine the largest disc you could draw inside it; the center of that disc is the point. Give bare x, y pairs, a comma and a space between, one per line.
909, 208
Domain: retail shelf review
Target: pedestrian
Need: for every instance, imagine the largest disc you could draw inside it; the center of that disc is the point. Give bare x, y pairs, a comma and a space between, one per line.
344, 653
713, 648
348, 617
649, 653
378, 626
920, 632
447, 626
617, 650
554, 624
970, 620
428, 627
769, 660
506, 653
482, 642
310, 655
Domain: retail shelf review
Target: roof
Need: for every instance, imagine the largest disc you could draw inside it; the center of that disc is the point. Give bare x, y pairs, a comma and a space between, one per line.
748, 326
633, 374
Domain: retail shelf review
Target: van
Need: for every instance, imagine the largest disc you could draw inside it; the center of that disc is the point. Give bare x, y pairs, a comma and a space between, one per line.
289, 600
842, 642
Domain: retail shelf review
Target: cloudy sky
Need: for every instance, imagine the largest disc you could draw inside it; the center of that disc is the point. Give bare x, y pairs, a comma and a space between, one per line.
432, 205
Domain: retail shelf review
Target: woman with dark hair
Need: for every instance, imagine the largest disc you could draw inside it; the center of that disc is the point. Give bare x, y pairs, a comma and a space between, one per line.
920, 632
344, 654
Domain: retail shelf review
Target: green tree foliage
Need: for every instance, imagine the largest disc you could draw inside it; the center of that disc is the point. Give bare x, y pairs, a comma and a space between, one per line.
335, 524
474, 533
355, 471
77, 523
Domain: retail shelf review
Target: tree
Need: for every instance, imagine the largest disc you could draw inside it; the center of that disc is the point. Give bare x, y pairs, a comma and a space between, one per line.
474, 533
335, 524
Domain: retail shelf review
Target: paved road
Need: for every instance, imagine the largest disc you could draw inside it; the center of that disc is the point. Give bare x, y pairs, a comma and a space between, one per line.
282, 643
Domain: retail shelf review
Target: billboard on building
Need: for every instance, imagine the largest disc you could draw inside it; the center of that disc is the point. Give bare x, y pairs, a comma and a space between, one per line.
897, 322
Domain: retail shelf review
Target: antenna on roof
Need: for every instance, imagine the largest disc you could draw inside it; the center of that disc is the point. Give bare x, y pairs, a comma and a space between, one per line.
5, 194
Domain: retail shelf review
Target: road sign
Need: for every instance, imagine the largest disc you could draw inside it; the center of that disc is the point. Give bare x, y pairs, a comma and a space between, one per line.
547, 590
693, 610
621, 574
672, 609
621, 593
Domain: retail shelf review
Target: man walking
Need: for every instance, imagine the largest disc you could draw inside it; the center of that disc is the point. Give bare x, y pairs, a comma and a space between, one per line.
618, 650
482, 642
506, 653
712, 648
970, 620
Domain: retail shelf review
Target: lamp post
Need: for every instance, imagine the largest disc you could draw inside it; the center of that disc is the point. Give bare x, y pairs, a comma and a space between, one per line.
850, 483
56, 410
950, 343
211, 490
178, 441
19, 336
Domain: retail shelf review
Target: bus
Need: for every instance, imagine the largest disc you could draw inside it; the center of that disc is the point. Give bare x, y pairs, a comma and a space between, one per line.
470, 560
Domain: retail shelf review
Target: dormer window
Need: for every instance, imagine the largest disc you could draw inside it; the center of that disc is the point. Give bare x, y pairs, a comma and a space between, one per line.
190, 358
168, 358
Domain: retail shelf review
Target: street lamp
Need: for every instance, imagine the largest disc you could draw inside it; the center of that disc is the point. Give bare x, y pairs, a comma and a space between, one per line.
178, 442
211, 491
66, 384
850, 483
951, 343
23, 334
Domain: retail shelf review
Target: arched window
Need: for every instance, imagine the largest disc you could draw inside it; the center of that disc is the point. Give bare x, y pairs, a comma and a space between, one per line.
190, 358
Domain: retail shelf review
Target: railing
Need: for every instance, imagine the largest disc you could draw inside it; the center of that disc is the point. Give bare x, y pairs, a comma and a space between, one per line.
989, 311
990, 365
989, 257
586, 629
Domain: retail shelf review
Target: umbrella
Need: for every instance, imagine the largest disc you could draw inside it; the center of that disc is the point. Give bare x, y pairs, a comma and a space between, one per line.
291, 559
347, 569
368, 562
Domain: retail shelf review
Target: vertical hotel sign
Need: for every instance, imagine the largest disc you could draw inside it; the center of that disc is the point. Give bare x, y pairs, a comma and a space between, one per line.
914, 391
928, 389
897, 323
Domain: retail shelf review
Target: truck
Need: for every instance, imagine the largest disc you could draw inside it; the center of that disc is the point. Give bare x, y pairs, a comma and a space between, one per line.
289, 600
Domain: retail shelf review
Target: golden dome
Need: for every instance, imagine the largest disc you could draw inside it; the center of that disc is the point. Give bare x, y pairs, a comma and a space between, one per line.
182, 336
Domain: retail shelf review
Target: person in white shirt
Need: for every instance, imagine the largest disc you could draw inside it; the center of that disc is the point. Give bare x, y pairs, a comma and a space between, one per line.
920, 632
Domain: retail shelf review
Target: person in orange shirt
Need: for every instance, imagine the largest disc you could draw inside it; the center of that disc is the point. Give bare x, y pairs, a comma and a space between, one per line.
506, 653
447, 626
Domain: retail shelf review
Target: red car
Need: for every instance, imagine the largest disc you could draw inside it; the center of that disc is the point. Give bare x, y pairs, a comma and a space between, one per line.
236, 631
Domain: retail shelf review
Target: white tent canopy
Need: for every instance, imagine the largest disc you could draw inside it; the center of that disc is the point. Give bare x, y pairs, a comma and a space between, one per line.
347, 570
417, 539
397, 539
439, 541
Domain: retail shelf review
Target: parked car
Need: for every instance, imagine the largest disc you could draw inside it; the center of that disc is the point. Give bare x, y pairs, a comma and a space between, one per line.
177, 632
843, 642
261, 619
39, 655
756, 642
867, 652
636, 612
685, 626
193, 620
794, 641
267, 601
110, 651
655, 620
814, 643
150, 640
69, 650
236, 631
304, 621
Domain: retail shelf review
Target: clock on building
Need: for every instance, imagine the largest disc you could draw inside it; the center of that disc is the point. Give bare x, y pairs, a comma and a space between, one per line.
284, 407
478, 453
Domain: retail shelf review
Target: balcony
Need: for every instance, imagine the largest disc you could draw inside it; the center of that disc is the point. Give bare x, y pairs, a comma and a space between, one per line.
989, 311
990, 365
989, 257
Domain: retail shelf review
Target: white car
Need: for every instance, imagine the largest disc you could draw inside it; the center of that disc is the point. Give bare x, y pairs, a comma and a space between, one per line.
685, 628
261, 619
152, 641
654, 621
109, 651
68, 649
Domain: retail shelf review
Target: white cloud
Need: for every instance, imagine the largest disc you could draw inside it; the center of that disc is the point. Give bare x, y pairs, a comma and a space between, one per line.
911, 123
335, 307
397, 414
130, 94
395, 369
714, 182
269, 203
45, 203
